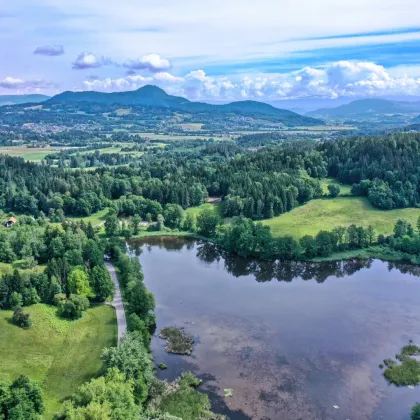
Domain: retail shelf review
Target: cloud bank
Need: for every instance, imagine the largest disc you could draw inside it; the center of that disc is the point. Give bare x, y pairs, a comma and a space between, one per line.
336, 79
25, 86
49, 50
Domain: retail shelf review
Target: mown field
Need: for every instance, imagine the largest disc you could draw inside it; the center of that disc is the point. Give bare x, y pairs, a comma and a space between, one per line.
325, 214
61, 354
32, 154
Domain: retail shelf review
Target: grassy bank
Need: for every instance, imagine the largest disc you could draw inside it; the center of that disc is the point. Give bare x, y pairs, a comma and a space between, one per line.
378, 251
61, 354
328, 213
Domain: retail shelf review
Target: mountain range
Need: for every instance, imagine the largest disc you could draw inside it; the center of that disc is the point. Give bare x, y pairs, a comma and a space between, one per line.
22, 99
367, 108
153, 96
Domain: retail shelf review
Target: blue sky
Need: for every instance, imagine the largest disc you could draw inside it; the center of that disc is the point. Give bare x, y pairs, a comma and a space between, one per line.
215, 50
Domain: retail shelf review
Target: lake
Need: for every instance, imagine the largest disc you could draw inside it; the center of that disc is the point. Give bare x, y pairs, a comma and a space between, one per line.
292, 340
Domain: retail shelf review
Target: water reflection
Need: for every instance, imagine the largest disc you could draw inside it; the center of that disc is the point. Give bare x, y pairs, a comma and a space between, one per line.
289, 350
263, 271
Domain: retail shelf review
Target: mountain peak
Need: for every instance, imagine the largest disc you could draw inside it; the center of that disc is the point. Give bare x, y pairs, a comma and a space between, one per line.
151, 90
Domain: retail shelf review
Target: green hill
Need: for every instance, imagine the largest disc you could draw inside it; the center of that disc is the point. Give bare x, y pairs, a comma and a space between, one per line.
152, 96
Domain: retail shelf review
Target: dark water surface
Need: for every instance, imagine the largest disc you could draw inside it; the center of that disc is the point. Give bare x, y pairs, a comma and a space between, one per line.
291, 339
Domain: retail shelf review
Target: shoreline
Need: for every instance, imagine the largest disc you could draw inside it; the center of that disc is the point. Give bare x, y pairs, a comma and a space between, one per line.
375, 251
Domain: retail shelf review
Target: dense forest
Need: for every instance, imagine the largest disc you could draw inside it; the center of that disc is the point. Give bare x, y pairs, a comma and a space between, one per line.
258, 184
383, 168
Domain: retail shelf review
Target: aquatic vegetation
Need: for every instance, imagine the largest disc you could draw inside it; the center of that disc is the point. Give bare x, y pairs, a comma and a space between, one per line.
162, 366
228, 392
407, 371
177, 341
182, 400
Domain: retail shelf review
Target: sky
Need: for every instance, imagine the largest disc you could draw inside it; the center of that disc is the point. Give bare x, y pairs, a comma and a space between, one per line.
214, 50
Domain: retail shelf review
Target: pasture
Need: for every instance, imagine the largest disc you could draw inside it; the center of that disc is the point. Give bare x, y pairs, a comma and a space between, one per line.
61, 354
328, 213
32, 154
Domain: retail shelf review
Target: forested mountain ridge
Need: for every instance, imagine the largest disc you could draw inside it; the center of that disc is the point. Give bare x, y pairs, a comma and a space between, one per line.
152, 96
367, 108
22, 99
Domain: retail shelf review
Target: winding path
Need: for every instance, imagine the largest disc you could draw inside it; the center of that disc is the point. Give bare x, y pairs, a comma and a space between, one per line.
117, 302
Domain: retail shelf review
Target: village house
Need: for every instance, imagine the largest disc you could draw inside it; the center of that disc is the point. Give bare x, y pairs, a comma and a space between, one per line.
10, 222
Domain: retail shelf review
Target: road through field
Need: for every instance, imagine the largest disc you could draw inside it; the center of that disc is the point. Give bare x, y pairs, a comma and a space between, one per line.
117, 302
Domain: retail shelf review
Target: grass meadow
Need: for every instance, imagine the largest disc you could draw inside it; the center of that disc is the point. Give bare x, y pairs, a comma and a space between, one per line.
60, 354
328, 213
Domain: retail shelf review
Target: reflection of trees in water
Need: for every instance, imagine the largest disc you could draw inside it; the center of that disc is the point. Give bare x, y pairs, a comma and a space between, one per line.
262, 270
412, 269
169, 243
279, 270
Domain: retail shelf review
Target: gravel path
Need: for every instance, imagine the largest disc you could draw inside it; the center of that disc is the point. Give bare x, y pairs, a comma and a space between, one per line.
117, 302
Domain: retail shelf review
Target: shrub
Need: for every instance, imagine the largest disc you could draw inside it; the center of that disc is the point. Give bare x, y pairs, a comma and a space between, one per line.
15, 300
135, 323
73, 307
21, 319
415, 412
334, 190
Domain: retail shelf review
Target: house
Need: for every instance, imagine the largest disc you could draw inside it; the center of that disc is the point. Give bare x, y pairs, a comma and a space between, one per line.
10, 222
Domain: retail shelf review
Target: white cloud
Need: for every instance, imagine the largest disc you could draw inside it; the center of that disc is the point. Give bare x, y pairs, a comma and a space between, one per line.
341, 78
224, 30
151, 62
87, 60
20, 86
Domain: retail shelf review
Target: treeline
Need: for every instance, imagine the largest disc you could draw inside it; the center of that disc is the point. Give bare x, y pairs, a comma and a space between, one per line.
90, 160
250, 239
247, 238
385, 169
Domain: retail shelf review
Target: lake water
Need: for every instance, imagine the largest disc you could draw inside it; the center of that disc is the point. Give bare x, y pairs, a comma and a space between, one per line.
291, 339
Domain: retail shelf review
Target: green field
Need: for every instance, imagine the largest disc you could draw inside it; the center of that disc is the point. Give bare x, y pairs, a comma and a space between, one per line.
168, 137
97, 219
196, 210
328, 213
28, 153
61, 354
6, 268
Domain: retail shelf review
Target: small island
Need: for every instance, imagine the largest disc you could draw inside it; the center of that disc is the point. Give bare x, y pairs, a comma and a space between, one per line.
178, 342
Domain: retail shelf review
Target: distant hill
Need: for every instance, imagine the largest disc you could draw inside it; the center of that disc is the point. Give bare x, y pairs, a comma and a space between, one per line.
416, 120
367, 108
22, 99
155, 97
